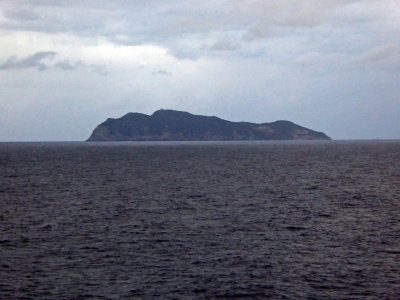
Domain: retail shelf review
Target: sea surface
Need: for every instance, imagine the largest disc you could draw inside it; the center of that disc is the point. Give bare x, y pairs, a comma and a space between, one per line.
246, 220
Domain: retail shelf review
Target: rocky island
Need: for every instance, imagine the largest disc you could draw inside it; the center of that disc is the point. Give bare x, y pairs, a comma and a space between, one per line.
171, 125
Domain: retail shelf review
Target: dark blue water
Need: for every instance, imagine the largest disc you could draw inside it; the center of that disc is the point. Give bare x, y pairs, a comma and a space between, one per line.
281, 220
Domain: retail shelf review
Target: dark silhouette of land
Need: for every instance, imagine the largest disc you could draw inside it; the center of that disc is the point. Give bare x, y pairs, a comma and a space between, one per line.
171, 125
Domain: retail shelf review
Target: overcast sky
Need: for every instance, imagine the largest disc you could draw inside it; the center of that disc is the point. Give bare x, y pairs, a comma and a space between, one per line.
329, 65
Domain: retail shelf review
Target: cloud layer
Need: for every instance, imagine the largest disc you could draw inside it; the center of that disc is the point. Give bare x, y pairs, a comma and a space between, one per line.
329, 65
31, 61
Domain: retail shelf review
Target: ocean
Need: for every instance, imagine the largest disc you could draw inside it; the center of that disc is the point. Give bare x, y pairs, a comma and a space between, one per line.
200, 220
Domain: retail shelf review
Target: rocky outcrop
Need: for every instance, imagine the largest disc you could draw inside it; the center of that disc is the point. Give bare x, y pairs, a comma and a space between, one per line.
171, 125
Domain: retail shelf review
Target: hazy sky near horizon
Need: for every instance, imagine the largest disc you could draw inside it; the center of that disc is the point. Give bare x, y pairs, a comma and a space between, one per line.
329, 65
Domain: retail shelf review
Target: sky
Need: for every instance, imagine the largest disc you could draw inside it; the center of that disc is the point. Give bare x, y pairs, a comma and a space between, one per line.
329, 65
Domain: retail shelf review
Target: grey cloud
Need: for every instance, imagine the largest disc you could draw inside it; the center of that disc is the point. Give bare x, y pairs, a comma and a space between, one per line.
66, 65
190, 52
316, 59
32, 61
224, 45
257, 31
99, 69
37, 61
184, 26
386, 56
15, 14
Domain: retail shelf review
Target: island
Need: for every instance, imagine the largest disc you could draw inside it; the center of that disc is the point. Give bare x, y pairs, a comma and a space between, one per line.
172, 125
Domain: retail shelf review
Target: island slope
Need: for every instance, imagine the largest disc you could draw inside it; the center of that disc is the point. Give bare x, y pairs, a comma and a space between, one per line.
171, 125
